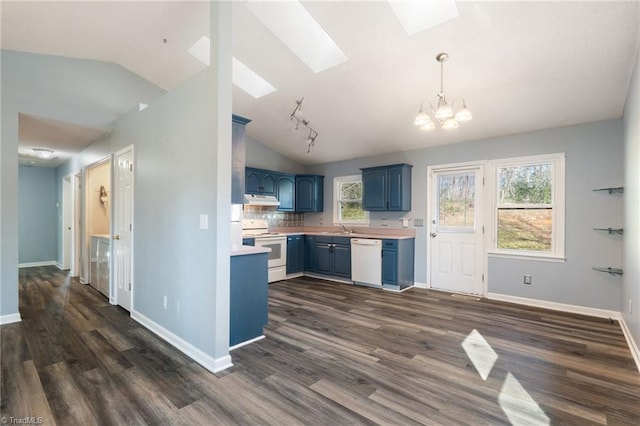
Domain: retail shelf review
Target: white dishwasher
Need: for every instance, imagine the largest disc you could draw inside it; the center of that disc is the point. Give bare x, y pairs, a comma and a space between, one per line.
366, 262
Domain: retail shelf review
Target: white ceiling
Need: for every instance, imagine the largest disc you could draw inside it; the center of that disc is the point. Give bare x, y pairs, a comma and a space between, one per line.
520, 66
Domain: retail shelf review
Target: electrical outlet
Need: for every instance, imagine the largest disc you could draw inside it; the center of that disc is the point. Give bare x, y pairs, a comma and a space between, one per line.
630, 306
527, 279
164, 302
385, 222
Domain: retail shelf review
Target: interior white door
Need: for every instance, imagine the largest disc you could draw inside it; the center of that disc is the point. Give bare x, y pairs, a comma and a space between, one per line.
456, 258
123, 228
77, 225
67, 222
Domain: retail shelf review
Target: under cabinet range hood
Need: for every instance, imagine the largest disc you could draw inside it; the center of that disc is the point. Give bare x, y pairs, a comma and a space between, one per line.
260, 200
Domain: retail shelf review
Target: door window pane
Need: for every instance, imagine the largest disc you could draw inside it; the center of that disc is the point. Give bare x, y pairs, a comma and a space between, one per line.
456, 200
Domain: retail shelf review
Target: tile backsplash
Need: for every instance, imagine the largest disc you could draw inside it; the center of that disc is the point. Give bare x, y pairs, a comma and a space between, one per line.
275, 218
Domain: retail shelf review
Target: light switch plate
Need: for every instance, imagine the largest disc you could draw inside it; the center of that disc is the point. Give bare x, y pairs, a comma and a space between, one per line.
418, 222
204, 221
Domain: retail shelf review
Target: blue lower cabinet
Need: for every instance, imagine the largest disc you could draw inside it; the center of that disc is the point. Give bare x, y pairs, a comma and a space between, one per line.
398, 263
249, 297
295, 254
310, 253
333, 256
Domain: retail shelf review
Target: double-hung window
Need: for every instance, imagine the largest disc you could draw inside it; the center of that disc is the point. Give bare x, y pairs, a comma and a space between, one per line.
347, 196
529, 206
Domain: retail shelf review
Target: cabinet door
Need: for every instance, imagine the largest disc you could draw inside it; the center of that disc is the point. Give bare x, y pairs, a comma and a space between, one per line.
374, 183
292, 255
300, 253
310, 253
389, 266
286, 188
304, 194
342, 261
253, 181
324, 257
269, 183
394, 188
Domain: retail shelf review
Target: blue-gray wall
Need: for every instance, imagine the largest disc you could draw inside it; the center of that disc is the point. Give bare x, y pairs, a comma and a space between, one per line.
37, 211
631, 278
182, 145
263, 157
594, 158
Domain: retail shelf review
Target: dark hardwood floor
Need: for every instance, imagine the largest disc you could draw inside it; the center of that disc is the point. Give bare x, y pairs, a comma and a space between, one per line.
334, 354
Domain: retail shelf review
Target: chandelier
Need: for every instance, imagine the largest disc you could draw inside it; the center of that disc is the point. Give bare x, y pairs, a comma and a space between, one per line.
444, 113
296, 115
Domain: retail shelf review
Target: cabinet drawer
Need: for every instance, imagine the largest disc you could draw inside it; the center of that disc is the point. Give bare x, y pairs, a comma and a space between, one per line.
345, 241
324, 239
393, 244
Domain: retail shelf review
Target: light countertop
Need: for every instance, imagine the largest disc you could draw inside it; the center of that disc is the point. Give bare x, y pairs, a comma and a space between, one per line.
238, 250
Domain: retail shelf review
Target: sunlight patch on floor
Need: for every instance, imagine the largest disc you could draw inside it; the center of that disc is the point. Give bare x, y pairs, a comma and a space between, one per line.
480, 353
518, 405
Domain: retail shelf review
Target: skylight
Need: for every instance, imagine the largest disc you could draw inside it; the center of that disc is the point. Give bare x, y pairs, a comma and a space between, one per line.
290, 22
249, 81
243, 76
419, 15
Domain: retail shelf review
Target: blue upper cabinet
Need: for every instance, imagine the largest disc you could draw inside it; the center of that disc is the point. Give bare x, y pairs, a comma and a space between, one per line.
238, 157
387, 188
309, 194
286, 188
259, 181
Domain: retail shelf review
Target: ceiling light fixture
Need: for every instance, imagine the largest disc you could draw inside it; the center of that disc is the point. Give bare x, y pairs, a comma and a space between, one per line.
444, 113
43, 153
296, 115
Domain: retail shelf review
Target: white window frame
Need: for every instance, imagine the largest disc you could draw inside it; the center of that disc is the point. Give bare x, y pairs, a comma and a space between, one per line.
557, 161
337, 181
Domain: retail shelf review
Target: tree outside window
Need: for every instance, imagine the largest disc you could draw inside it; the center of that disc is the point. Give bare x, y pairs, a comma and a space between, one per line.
348, 200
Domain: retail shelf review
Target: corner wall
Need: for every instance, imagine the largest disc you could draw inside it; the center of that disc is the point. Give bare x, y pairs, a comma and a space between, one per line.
631, 277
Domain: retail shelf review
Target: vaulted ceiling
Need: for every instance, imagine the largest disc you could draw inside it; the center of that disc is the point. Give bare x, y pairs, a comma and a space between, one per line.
520, 66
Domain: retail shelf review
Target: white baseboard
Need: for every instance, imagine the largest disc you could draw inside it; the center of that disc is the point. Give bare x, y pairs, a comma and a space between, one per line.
575, 309
59, 266
212, 364
246, 342
35, 264
10, 319
632, 344
420, 285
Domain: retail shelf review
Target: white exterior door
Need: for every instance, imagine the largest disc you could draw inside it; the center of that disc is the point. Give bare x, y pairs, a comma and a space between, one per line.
122, 248
456, 230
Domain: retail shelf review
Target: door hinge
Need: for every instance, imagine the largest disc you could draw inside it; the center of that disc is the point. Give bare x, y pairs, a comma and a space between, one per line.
130, 167
129, 286
130, 228
482, 181
482, 277
482, 229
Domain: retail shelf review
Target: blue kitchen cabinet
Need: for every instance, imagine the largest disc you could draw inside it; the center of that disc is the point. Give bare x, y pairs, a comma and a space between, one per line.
258, 181
248, 297
285, 190
309, 194
333, 256
295, 254
398, 263
238, 156
387, 188
310, 253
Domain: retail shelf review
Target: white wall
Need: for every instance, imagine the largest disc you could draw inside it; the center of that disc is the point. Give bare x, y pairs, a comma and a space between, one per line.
593, 160
631, 278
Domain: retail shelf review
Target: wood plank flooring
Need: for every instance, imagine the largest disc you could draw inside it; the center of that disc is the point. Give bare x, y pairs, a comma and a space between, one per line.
334, 354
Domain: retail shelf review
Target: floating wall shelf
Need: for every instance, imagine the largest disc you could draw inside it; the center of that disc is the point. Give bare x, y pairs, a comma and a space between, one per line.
612, 271
617, 190
610, 230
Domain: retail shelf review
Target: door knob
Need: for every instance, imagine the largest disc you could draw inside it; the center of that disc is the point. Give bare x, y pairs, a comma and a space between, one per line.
433, 235
116, 237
